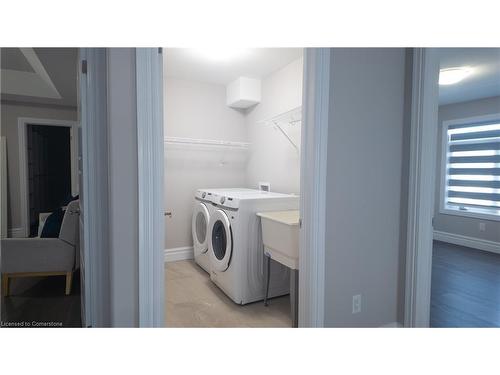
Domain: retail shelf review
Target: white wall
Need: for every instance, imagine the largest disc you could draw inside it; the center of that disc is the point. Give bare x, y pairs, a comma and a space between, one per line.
198, 110
364, 185
462, 225
10, 113
273, 159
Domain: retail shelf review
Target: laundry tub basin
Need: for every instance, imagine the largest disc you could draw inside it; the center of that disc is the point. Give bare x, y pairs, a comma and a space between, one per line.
280, 235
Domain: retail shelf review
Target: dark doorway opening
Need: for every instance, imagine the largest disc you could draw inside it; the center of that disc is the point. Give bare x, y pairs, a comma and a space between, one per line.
49, 170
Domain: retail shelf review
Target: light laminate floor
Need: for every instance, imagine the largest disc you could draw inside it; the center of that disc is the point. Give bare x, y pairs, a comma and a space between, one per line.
192, 300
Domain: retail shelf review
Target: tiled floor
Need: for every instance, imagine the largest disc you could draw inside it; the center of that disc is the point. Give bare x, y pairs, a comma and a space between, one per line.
192, 300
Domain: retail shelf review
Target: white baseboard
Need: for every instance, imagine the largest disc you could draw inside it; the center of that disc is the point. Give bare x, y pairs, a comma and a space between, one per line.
475, 243
392, 325
16, 232
179, 253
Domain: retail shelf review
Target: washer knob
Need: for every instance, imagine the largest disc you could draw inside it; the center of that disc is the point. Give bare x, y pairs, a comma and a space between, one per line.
204, 195
222, 200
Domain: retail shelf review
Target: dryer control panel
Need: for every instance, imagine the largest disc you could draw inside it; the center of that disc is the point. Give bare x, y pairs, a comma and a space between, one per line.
203, 195
225, 201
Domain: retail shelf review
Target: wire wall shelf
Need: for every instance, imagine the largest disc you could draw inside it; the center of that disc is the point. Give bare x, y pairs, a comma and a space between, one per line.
210, 143
288, 118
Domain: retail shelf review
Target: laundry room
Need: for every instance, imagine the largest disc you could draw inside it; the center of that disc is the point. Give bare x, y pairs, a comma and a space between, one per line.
232, 135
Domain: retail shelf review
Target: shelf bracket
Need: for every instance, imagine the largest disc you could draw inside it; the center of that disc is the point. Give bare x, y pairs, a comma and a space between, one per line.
287, 136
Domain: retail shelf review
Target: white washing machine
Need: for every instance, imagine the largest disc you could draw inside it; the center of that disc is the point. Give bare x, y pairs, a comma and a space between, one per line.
235, 244
199, 224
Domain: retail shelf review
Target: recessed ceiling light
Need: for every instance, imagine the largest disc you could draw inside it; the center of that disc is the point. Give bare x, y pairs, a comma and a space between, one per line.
220, 54
453, 75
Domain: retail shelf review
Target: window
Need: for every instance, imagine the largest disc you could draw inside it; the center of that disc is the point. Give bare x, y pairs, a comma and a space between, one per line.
471, 157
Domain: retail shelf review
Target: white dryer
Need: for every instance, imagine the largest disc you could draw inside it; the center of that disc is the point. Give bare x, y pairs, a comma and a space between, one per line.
235, 244
199, 224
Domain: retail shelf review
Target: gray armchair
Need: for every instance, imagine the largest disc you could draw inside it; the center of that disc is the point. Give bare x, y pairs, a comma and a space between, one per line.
28, 257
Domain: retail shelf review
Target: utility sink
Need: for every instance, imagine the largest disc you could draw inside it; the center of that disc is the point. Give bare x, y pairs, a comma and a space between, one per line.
280, 235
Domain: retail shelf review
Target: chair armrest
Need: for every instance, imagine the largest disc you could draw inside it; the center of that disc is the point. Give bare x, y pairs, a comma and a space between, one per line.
36, 255
35, 242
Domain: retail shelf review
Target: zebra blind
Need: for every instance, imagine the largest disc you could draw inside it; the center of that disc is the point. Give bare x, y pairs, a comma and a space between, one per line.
473, 168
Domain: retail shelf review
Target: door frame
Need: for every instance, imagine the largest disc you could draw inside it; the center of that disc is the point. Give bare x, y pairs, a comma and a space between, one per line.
22, 126
149, 78
92, 81
314, 143
313, 172
3, 187
421, 194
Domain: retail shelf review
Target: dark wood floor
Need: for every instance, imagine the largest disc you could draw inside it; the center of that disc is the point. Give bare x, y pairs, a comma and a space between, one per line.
465, 287
41, 299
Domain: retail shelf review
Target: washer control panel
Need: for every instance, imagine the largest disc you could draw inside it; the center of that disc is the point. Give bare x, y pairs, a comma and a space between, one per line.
203, 195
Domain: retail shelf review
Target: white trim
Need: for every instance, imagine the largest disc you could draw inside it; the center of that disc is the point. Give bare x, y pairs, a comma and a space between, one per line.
94, 253
175, 254
316, 100
392, 325
22, 123
16, 232
4, 232
472, 214
473, 242
149, 76
424, 117
442, 177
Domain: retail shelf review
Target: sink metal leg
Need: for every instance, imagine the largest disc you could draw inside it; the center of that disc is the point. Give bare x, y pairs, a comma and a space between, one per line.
294, 297
268, 277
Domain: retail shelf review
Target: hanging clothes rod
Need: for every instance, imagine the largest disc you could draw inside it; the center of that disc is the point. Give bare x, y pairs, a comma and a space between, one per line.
206, 142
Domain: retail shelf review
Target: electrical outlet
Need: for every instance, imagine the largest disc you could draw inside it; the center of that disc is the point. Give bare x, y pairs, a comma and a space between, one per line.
482, 227
356, 304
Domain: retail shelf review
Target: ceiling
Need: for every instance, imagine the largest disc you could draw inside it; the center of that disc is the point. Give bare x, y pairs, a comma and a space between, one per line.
13, 58
483, 82
223, 66
49, 75
39, 75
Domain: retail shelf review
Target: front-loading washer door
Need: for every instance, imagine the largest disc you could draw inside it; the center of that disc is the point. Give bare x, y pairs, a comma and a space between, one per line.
199, 227
221, 240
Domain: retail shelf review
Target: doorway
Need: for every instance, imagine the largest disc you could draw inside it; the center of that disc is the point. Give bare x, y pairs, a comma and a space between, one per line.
40, 261
152, 255
244, 147
49, 170
465, 284
453, 258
